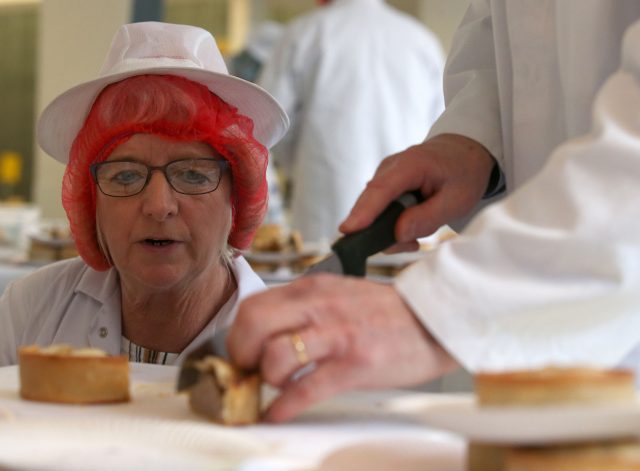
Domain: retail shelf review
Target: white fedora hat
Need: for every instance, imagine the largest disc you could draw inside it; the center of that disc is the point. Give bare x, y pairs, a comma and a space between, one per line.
160, 48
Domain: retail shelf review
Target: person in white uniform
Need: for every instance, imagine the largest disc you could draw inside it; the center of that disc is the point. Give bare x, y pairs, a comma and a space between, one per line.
548, 275
165, 159
360, 80
247, 65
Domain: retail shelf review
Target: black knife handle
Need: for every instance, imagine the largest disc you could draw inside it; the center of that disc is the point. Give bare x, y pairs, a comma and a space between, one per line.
353, 249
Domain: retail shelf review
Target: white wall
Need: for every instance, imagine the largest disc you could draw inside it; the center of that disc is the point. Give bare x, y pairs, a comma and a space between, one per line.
74, 38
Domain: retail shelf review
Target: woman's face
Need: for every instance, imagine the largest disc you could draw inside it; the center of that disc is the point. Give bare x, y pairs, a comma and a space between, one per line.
159, 238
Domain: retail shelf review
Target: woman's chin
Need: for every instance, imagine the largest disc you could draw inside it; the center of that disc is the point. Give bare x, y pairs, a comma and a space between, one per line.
156, 279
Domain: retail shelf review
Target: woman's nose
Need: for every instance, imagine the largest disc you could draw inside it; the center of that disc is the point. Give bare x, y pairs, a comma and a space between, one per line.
159, 199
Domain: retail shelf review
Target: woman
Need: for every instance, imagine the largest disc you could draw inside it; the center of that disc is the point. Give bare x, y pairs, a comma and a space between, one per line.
164, 181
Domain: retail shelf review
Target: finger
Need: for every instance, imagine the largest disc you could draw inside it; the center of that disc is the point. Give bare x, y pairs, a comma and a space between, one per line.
418, 221
327, 380
273, 312
259, 318
281, 360
391, 181
425, 219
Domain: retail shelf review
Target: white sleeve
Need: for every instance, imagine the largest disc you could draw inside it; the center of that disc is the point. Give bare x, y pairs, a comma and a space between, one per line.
552, 273
436, 62
470, 82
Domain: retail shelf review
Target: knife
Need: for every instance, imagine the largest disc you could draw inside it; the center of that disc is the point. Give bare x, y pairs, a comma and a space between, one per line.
348, 257
349, 253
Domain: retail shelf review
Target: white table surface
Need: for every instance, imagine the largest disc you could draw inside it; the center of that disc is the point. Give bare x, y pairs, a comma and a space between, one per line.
351, 432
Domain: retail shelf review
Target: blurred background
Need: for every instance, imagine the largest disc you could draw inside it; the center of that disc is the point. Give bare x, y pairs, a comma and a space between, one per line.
47, 46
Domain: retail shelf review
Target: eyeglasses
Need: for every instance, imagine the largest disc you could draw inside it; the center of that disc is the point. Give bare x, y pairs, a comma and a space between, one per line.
187, 176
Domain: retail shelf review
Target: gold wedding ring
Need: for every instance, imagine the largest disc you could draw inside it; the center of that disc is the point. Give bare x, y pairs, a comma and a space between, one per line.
300, 348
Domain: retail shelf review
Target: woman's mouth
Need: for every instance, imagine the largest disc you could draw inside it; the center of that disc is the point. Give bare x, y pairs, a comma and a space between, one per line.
158, 242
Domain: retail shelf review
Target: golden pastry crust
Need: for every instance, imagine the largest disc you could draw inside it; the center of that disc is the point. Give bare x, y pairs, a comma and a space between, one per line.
385, 270
296, 242
621, 455
273, 238
485, 457
269, 238
550, 386
62, 374
554, 386
224, 393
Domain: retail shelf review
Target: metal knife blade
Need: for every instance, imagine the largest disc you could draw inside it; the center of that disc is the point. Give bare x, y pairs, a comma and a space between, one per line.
330, 264
215, 345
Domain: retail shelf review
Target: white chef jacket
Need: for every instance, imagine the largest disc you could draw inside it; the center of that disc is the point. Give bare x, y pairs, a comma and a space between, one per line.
359, 81
551, 274
69, 302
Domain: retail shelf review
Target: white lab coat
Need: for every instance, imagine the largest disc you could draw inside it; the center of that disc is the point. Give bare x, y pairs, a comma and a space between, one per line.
69, 302
359, 81
551, 274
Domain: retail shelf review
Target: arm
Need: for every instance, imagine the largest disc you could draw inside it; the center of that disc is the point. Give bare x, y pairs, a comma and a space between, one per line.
551, 274
471, 83
452, 172
453, 166
348, 331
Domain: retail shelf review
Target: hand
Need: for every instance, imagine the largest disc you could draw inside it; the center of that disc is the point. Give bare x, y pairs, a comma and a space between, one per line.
360, 334
450, 170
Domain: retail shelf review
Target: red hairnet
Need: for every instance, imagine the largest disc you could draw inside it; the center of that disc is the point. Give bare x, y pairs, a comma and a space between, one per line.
175, 108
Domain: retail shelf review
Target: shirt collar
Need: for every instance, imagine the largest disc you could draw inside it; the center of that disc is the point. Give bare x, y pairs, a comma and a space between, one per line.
99, 285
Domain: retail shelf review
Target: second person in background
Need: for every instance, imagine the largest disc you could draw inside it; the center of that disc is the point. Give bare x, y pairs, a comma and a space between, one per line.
360, 81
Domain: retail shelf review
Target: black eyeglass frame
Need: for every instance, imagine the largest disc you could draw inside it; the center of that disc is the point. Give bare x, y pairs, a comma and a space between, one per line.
93, 168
